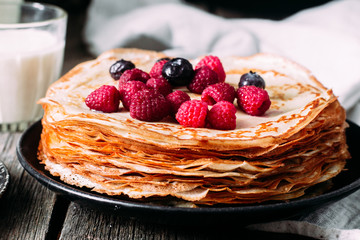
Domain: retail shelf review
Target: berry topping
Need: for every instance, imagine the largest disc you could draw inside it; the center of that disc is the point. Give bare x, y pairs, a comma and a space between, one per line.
156, 70
252, 79
164, 58
148, 105
105, 99
218, 92
192, 114
222, 116
134, 74
127, 91
119, 67
215, 64
253, 100
160, 85
178, 71
176, 98
204, 77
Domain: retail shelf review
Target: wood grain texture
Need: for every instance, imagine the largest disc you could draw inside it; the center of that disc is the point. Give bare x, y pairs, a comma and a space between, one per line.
26, 207
84, 222
106, 225
29, 210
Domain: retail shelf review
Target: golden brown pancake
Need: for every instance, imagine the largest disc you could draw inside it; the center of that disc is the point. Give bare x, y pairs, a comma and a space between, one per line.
299, 142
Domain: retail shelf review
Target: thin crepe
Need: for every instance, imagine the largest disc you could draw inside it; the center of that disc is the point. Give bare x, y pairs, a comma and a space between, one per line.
299, 142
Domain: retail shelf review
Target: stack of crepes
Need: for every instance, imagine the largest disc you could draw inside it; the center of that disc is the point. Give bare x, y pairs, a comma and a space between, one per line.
299, 142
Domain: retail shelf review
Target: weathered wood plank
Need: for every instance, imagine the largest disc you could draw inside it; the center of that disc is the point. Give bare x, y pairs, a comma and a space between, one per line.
26, 207
88, 223
83, 222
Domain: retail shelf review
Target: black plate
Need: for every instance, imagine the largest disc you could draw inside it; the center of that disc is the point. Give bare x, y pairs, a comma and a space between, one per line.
343, 184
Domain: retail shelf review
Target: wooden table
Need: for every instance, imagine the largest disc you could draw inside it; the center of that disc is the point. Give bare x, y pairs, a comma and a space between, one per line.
28, 210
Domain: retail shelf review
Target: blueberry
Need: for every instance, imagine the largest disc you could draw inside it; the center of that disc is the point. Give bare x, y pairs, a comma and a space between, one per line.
119, 67
178, 71
252, 78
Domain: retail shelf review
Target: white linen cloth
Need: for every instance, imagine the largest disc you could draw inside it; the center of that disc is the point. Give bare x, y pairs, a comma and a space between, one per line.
325, 39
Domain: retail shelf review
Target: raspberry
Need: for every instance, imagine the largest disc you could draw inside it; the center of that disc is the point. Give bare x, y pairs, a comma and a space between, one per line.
215, 64
192, 114
134, 74
160, 85
204, 77
253, 100
156, 70
218, 92
127, 91
176, 99
164, 58
148, 105
222, 116
105, 99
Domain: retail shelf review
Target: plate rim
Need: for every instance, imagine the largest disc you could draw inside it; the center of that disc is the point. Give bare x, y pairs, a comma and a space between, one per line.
63, 188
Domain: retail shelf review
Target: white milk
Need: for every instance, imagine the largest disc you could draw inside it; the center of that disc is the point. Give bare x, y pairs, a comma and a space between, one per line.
30, 60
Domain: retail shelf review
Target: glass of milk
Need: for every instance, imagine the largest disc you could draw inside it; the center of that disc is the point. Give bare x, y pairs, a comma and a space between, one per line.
32, 40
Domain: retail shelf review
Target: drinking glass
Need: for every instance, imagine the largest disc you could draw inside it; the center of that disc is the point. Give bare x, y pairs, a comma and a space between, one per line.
32, 40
